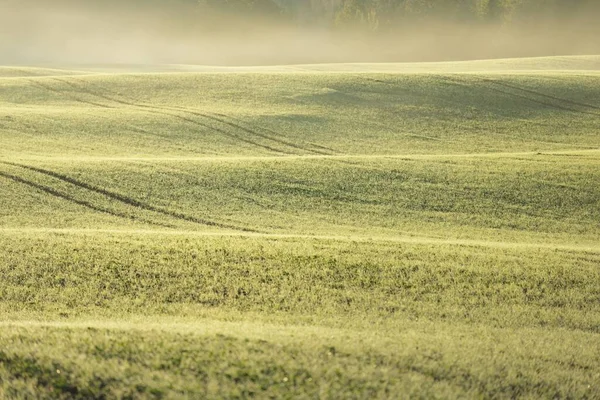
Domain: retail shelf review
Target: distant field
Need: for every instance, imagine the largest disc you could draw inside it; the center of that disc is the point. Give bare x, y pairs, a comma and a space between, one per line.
355, 230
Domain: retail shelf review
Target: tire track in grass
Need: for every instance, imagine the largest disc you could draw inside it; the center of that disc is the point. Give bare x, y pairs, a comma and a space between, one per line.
131, 127
61, 93
463, 83
568, 101
156, 110
326, 151
329, 149
238, 137
53, 192
130, 201
217, 117
214, 117
543, 103
169, 111
490, 83
272, 135
222, 119
195, 113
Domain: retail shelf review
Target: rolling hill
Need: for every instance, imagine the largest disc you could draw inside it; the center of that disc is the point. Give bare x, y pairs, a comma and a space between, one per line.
350, 230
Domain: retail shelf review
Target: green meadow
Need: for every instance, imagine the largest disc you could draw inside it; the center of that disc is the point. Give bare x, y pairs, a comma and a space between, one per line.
315, 231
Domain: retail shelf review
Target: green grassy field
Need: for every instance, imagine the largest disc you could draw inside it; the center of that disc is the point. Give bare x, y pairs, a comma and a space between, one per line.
336, 231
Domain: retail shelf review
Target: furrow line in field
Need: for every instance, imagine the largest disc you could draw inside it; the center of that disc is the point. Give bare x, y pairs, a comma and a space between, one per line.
489, 83
169, 111
272, 135
536, 93
222, 119
543, 103
130, 201
131, 127
321, 150
329, 149
221, 131
223, 122
61, 93
53, 192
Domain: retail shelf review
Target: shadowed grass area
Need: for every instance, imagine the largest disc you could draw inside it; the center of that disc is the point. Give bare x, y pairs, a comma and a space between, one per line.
187, 114
361, 231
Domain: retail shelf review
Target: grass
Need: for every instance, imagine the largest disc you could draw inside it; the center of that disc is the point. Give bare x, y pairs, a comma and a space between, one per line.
352, 231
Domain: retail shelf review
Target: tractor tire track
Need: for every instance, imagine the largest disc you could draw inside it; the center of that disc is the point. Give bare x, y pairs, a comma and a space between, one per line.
490, 83
272, 135
536, 93
202, 115
543, 103
130, 201
53, 192
450, 80
327, 151
224, 132
169, 111
219, 118
63, 94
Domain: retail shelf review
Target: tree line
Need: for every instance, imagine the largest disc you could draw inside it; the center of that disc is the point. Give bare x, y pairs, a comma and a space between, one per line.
381, 15
372, 15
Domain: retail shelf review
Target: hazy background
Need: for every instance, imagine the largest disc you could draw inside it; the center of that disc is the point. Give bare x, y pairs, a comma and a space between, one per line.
255, 32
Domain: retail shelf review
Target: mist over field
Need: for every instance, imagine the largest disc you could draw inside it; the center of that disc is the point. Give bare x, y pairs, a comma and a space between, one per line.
363, 199
266, 32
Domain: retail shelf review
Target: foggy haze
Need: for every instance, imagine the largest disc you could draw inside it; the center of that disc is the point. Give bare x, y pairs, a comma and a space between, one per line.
58, 33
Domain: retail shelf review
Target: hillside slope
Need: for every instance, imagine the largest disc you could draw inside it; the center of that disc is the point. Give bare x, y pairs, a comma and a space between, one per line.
360, 231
